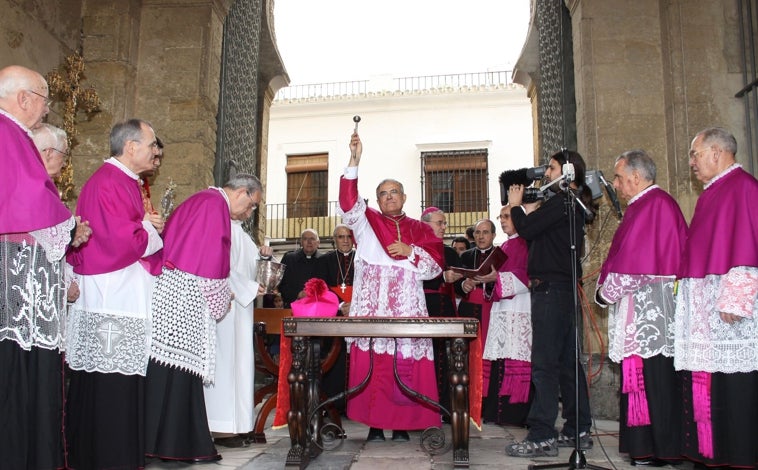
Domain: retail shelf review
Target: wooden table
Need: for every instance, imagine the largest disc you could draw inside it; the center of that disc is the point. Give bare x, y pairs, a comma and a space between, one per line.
304, 420
268, 321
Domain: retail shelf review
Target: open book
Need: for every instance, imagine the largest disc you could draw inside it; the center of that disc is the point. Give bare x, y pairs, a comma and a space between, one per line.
494, 260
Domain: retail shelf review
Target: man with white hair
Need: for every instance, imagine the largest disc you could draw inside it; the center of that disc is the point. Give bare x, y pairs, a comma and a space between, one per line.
36, 228
640, 292
716, 322
52, 145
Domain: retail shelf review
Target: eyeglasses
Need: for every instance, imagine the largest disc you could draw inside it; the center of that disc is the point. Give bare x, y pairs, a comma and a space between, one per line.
255, 204
695, 153
47, 99
65, 154
386, 194
153, 145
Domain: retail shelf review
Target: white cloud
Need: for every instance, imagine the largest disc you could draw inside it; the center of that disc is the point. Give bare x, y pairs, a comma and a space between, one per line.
343, 40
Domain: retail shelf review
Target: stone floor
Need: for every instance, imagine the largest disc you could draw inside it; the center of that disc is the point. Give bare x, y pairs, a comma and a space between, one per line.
486, 451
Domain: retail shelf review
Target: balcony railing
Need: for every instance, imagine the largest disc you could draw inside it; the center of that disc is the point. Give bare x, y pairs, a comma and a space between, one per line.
401, 84
281, 227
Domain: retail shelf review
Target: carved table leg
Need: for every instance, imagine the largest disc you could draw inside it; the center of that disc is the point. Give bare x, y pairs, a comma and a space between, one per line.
459, 401
315, 416
298, 413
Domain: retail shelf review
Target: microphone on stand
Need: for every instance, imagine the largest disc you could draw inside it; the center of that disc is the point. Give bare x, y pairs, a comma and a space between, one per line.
611, 194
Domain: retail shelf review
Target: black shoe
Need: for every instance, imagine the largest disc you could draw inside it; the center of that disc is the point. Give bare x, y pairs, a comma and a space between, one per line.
231, 441
375, 435
212, 458
400, 436
649, 462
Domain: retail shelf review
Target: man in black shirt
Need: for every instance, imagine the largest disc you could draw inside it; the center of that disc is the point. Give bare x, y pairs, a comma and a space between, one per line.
547, 229
301, 266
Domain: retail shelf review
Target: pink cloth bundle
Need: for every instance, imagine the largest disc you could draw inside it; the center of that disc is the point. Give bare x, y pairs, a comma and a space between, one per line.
319, 301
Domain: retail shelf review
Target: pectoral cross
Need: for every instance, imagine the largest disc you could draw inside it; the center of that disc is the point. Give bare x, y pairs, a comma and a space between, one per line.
342, 287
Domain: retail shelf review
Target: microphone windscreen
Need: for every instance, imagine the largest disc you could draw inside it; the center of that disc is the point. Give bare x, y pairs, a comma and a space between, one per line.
509, 177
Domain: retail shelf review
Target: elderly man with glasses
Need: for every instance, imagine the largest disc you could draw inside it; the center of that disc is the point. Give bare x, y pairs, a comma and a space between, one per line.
394, 255
52, 144
192, 292
716, 321
36, 228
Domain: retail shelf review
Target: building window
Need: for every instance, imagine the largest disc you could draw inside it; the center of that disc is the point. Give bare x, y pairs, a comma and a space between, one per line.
456, 181
307, 185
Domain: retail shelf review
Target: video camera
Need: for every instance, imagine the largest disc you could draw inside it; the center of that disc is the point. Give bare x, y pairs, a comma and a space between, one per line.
526, 176
523, 176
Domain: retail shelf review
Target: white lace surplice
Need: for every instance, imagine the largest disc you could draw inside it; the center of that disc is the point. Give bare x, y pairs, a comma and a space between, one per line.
185, 308
510, 329
32, 287
107, 328
385, 287
703, 341
641, 318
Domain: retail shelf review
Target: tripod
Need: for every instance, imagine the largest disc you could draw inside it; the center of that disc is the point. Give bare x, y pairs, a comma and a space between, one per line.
577, 459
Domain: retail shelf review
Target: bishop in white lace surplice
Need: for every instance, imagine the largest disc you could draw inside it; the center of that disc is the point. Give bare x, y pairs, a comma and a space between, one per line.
637, 278
704, 341
193, 292
385, 287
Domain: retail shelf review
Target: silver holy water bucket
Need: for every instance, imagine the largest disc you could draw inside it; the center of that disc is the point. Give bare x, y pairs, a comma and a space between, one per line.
270, 274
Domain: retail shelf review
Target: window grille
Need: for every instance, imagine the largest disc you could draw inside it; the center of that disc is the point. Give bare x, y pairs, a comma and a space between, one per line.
456, 182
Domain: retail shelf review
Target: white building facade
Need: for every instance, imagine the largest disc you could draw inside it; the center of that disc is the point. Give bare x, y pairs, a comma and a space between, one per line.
446, 138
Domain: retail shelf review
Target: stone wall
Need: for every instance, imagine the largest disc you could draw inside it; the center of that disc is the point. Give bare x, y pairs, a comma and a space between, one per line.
38, 33
652, 73
158, 60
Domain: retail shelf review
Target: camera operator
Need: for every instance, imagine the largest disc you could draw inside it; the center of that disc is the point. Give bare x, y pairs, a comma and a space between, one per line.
546, 226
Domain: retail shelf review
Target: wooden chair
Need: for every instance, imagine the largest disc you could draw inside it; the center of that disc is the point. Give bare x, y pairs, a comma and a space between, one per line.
268, 321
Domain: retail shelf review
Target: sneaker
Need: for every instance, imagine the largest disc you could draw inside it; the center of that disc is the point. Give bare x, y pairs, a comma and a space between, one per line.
546, 448
585, 441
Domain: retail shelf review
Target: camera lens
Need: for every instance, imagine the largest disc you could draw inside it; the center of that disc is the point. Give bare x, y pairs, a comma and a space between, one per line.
536, 173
